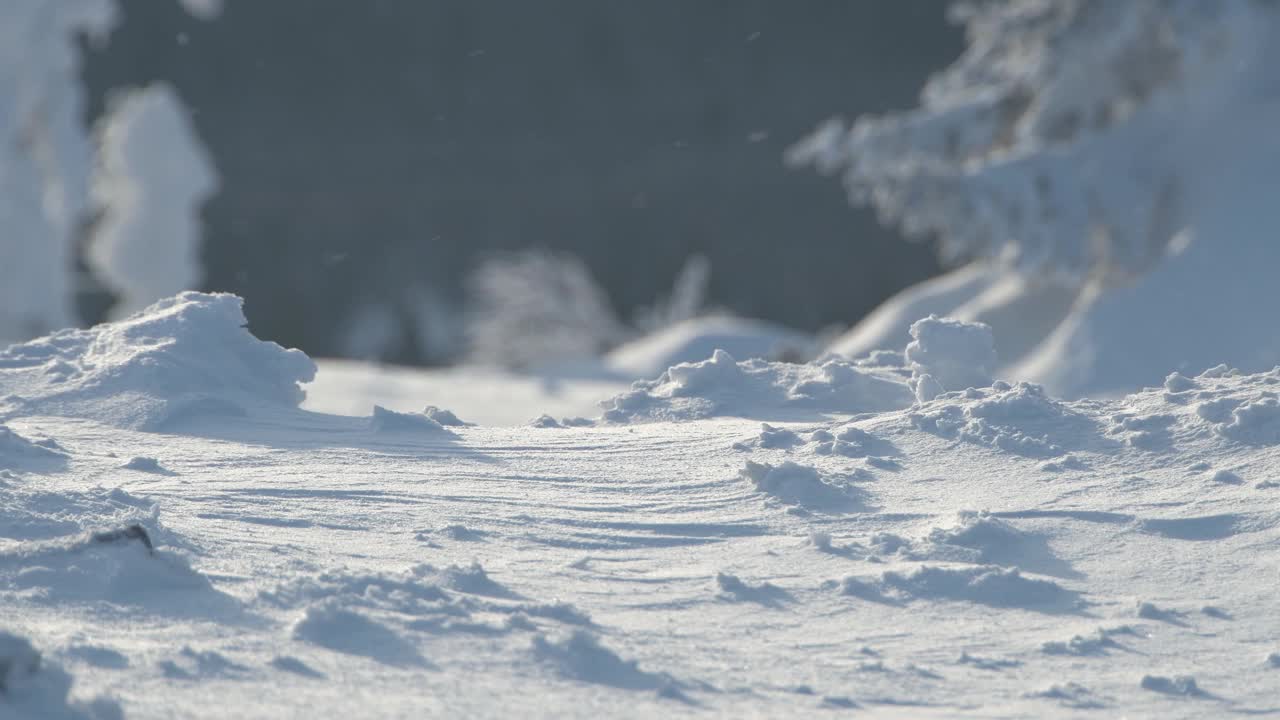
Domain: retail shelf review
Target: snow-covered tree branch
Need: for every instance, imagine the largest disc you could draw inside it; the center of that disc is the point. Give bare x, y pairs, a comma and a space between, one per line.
1056, 142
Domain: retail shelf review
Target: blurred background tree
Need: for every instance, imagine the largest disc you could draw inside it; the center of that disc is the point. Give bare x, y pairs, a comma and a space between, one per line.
372, 154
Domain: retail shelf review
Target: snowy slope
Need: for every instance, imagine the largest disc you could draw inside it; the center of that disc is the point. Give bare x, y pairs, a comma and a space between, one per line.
991, 552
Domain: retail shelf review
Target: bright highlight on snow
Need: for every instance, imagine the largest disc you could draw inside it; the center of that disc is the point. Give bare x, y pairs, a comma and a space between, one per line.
731, 538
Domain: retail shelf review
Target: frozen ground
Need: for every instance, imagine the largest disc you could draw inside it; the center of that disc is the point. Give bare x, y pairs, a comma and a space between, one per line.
179, 539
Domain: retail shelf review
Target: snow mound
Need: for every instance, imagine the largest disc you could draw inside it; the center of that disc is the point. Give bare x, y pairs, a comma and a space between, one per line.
454, 599
32, 515
353, 633
982, 584
1098, 642
390, 421
1183, 685
187, 355
444, 417
795, 484
16, 450
32, 687
1243, 409
979, 538
1072, 695
771, 437
947, 354
722, 386
735, 588
1019, 419
851, 441
147, 465
580, 656
118, 566
698, 338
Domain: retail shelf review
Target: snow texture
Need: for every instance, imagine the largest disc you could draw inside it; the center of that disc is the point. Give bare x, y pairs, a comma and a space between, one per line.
992, 551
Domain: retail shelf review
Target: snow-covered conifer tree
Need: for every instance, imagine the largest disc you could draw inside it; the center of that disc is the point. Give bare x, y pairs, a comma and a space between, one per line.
45, 157
152, 177
1084, 144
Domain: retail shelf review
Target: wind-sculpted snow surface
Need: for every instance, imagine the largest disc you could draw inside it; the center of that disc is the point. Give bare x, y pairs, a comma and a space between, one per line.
722, 386
16, 450
736, 540
186, 355
33, 687
1018, 419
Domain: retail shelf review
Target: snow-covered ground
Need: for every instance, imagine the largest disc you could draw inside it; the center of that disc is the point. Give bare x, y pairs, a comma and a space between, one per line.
179, 539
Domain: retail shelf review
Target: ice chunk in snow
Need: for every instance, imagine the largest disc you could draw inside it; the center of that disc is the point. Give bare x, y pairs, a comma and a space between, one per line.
722, 386
947, 354
187, 355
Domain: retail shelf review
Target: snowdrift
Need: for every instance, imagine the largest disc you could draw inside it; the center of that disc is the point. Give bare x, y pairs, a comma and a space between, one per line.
184, 356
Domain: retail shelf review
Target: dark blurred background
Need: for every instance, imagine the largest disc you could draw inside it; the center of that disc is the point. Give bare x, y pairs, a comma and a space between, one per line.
372, 152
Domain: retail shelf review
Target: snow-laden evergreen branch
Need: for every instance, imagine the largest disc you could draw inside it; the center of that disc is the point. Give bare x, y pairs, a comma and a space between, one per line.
1053, 143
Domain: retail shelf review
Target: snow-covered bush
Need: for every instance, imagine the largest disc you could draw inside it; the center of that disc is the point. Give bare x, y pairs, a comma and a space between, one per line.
537, 307
1087, 144
45, 157
152, 177
1051, 143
